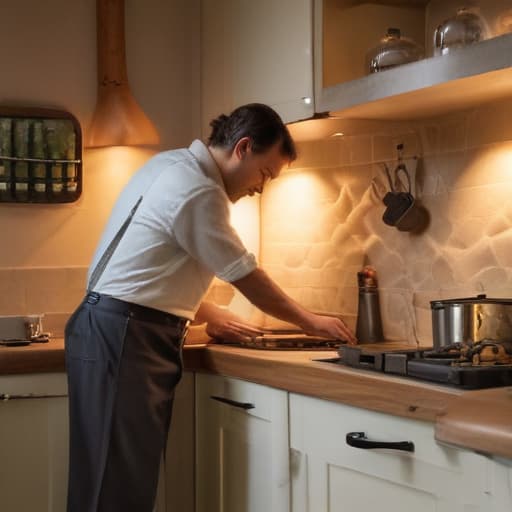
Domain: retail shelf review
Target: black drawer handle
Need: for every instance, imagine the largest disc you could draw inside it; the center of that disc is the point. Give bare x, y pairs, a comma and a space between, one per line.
4, 397
359, 440
240, 405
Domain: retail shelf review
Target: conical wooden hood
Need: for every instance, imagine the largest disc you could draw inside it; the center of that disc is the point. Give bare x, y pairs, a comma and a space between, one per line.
118, 119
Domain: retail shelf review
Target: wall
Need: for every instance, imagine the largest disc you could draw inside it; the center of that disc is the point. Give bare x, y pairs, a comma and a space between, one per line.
322, 219
48, 55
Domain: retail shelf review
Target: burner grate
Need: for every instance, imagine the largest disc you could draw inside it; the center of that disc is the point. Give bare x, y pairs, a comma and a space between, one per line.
444, 368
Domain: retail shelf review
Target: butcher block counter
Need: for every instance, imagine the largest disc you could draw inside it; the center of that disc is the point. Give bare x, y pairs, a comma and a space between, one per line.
479, 420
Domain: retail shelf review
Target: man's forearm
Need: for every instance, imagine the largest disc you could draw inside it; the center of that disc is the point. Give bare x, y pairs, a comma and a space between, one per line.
205, 313
265, 294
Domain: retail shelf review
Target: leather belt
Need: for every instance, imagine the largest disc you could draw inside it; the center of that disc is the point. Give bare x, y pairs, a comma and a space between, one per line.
137, 311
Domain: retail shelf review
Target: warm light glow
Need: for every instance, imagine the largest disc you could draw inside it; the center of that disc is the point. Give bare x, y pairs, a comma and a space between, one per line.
245, 218
337, 134
483, 186
492, 165
291, 206
114, 166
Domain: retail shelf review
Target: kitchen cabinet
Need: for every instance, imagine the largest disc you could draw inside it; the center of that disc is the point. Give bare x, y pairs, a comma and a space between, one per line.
33, 442
280, 53
176, 483
345, 29
501, 482
34, 445
256, 52
241, 446
328, 474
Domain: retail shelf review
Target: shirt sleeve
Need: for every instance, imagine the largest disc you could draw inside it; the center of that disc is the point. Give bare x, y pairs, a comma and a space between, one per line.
203, 230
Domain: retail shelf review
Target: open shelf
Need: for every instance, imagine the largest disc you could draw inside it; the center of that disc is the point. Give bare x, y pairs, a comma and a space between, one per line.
464, 78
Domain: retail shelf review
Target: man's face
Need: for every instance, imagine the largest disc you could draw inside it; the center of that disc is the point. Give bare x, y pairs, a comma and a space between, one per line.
251, 170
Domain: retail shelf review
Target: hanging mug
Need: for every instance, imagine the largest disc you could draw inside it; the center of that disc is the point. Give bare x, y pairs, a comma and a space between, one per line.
402, 209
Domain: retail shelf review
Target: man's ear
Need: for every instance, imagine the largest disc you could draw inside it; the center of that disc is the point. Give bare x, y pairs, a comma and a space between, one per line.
242, 147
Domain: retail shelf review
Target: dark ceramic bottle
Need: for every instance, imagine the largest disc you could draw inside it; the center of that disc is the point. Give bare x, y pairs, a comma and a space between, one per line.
369, 323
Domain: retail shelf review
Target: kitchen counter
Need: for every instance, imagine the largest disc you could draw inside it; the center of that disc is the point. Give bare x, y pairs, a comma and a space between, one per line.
478, 420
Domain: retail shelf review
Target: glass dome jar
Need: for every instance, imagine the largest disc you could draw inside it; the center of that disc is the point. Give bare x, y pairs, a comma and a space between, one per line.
466, 27
393, 50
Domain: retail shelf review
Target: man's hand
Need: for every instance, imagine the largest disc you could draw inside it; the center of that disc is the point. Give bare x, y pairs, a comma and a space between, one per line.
330, 327
225, 325
231, 330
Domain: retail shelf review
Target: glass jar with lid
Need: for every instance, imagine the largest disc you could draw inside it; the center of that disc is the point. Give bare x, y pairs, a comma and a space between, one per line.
464, 28
393, 50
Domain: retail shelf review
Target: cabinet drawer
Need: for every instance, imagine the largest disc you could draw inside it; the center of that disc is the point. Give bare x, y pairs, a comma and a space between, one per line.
252, 399
37, 385
429, 478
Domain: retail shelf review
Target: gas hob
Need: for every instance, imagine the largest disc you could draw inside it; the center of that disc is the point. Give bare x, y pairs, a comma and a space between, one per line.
425, 364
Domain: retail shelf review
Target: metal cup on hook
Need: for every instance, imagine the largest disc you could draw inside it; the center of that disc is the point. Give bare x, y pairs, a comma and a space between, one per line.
402, 209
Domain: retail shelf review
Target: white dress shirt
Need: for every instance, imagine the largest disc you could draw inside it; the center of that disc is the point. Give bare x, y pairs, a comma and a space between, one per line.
179, 238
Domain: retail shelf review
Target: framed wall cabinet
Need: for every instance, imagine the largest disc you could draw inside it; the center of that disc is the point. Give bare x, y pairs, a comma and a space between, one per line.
40, 156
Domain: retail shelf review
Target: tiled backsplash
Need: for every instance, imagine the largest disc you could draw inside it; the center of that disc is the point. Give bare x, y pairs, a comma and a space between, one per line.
52, 291
322, 219
55, 292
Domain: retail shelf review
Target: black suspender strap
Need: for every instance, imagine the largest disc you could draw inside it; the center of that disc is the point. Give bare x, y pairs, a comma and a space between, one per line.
109, 251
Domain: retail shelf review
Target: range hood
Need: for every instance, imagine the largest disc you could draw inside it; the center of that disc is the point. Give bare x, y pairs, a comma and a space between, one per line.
118, 119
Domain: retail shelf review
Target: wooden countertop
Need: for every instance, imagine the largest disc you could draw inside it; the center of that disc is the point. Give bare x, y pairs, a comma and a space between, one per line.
479, 420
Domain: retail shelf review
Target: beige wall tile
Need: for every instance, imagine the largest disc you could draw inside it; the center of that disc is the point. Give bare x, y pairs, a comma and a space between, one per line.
453, 135
12, 292
360, 149
486, 125
383, 148
430, 137
336, 226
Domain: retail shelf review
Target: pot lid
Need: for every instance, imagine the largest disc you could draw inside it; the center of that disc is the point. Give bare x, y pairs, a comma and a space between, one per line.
479, 299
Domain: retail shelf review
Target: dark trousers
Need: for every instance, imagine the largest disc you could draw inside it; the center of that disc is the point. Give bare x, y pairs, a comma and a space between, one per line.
123, 362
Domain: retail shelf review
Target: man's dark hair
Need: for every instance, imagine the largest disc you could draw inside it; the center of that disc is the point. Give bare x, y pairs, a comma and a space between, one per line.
259, 122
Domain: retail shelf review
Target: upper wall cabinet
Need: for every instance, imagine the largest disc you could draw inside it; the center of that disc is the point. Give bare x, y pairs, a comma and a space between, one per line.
449, 77
256, 51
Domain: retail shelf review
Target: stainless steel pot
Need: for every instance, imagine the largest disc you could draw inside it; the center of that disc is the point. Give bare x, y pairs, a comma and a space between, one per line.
471, 320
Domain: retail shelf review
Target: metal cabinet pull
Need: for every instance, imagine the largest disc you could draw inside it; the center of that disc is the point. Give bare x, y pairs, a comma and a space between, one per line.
240, 405
6, 396
359, 440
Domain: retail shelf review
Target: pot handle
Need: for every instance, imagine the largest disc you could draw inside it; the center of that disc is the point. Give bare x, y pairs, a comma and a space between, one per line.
438, 40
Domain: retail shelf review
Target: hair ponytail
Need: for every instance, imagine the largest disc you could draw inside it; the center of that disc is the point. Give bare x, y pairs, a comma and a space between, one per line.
218, 126
258, 122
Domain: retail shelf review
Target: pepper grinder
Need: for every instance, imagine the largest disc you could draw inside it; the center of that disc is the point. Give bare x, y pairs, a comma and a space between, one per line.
369, 323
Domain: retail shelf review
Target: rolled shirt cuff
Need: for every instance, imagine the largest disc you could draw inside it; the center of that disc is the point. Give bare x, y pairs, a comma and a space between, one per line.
239, 268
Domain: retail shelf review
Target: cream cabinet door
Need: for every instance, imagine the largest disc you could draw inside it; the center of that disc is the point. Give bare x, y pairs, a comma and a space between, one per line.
242, 446
329, 475
257, 51
501, 485
33, 443
176, 482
